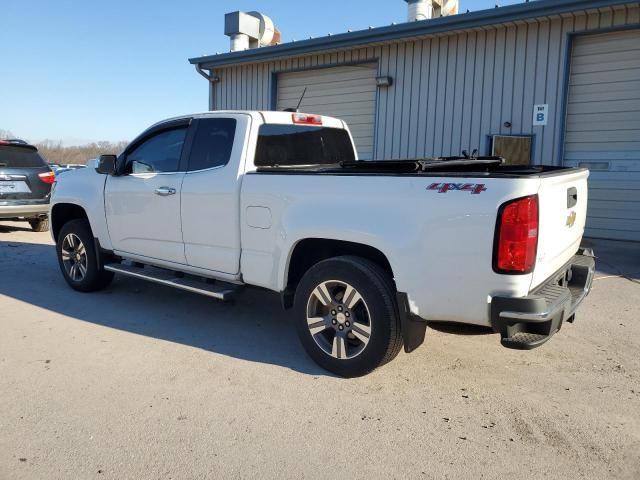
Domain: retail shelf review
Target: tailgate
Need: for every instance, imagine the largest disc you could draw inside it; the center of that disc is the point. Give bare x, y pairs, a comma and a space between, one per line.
563, 212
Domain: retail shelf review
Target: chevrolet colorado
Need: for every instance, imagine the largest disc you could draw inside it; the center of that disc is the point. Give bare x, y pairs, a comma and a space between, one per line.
366, 253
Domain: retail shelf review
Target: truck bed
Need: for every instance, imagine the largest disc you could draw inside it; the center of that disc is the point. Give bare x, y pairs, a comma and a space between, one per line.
470, 169
436, 226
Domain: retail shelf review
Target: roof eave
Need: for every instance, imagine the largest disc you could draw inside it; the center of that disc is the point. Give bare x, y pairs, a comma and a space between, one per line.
463, 21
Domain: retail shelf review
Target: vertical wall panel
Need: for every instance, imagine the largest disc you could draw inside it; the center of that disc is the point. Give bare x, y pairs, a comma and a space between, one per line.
519, 77
454, 145
540, 88
508, 78
434, 94
423, 98
391, 101
487, 93
463, 141
405, 117
477, 80
556, 121
441, 95
451, 92
401, 72
530, 77
383, 101
414, 101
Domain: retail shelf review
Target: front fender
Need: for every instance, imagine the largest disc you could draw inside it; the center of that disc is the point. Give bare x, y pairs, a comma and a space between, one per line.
84, 188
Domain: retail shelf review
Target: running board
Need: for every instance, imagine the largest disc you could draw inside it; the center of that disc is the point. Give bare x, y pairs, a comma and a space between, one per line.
218, 290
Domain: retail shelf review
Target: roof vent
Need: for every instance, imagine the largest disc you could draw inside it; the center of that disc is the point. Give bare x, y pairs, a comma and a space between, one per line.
250, 30
426, 9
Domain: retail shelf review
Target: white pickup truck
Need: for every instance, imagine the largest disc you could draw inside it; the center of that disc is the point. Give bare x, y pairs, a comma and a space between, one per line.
366, 253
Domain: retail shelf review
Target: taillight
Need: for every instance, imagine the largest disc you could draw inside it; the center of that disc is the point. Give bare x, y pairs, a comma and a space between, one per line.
517, 236
47, 177
304, 119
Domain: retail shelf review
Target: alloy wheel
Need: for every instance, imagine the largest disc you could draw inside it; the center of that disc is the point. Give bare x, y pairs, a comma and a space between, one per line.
338, 319
74, 257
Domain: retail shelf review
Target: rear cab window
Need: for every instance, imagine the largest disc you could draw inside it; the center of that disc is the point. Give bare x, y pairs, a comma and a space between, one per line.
288, 145
20, 157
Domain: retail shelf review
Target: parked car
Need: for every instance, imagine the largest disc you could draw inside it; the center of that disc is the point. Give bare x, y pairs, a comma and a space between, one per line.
58, 169
364, 252
25, 184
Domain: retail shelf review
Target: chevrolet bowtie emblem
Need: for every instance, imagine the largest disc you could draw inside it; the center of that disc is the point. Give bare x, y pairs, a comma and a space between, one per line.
571, 219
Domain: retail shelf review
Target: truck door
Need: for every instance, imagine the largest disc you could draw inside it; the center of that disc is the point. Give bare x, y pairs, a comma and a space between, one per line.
142, 204
211, 193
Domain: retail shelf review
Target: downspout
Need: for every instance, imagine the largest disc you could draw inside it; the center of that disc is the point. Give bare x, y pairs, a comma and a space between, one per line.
210, 80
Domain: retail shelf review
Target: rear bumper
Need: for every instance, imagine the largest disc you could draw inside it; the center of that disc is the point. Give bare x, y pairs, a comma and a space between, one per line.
528, 322
27, 210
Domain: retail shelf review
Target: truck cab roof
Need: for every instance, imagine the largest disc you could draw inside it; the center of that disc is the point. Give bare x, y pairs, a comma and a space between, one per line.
266, 116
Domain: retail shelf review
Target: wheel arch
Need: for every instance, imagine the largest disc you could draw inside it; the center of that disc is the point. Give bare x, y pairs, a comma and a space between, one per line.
309, 251
62, 213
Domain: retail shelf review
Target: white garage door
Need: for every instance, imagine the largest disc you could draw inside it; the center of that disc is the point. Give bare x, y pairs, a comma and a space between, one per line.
348, 93
603, 129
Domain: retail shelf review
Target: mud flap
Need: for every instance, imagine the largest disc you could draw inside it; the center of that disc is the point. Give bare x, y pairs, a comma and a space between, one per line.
413, 328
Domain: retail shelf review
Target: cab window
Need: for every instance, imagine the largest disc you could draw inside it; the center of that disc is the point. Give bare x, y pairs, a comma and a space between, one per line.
212, 143
157, 154
287, 145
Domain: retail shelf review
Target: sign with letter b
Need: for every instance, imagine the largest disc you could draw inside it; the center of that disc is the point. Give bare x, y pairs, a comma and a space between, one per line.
540, 114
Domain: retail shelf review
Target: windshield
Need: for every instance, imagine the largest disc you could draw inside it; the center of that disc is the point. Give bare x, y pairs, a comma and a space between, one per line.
20, 157
285, 145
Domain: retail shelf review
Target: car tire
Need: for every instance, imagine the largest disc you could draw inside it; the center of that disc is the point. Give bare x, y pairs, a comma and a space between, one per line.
39, 224
347, 317
77, 258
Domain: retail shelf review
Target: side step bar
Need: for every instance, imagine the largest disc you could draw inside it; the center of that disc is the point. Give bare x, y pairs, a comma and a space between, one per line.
218, 290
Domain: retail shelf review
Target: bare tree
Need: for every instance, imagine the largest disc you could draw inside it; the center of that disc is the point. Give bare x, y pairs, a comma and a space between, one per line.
54, 151
4, 134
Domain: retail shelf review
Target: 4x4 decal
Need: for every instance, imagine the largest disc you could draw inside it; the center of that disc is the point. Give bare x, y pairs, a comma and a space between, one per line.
474, 188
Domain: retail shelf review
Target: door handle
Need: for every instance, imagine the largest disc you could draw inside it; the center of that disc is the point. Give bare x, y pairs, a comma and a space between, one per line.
165, 191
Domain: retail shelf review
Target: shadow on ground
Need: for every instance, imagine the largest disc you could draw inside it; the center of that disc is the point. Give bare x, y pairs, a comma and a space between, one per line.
616, 258
4, 228
254, 328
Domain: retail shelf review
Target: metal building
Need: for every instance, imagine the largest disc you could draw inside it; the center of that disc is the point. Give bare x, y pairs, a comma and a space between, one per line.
544, 82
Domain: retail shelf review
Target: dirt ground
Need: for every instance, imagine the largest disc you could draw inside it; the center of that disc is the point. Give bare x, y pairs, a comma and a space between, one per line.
144, 382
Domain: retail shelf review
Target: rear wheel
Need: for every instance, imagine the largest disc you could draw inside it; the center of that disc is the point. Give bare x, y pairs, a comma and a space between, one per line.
346, 316
39, 224
77, 258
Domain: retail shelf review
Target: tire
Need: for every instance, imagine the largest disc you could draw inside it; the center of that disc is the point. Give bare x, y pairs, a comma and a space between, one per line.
39, 224
370, 335
76, 239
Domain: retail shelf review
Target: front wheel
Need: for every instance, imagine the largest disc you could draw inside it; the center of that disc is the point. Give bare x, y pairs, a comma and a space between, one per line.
77, 258
346, 316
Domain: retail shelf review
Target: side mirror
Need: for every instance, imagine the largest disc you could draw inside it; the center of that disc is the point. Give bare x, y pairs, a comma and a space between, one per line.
107, 164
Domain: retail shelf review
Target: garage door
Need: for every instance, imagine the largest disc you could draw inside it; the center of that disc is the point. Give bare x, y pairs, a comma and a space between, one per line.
603, 129
348, 93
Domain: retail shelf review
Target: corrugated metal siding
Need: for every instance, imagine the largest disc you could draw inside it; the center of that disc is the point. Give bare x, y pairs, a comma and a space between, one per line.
603, 129
452, 91
347, 92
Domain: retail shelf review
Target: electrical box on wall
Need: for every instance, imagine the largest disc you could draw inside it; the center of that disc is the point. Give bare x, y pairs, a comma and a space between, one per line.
516, 150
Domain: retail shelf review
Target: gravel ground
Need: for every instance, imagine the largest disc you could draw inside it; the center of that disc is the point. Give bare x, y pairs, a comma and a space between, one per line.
141, 381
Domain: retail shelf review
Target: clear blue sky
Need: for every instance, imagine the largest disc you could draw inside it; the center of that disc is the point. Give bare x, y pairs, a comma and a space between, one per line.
84, 70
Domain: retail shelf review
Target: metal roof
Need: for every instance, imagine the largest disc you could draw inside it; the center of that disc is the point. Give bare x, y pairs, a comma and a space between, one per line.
512, 13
